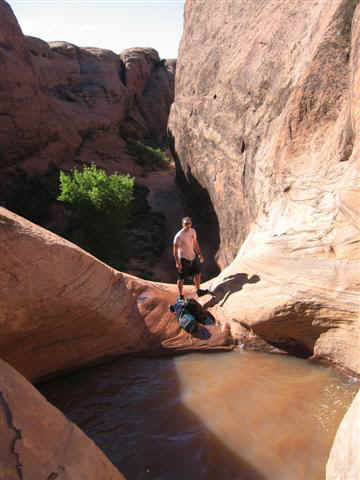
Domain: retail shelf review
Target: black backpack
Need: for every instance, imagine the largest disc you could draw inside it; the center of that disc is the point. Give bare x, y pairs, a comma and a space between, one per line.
196, 309
185, 314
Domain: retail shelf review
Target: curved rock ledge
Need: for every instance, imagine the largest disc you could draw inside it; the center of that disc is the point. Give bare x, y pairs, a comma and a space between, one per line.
344, 459
62, 309
38, 442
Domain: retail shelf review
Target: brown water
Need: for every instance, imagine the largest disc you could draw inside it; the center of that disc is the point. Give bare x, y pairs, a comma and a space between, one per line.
239, 415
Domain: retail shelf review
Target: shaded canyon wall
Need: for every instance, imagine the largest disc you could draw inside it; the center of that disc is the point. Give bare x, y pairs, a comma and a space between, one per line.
265, 119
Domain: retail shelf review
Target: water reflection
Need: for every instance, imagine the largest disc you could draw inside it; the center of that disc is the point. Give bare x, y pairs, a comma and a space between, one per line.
245, 416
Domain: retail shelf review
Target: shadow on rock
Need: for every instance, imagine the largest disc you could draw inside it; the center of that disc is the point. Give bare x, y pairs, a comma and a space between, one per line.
229, 285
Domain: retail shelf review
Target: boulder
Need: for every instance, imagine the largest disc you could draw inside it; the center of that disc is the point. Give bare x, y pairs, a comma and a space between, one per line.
62, 309
344, 459
265, 119
37, 441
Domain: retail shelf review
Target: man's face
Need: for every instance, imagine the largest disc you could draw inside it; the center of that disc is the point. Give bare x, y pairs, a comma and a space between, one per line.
186, 224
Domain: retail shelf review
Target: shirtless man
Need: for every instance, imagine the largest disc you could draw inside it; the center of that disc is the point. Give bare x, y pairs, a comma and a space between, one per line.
188, 257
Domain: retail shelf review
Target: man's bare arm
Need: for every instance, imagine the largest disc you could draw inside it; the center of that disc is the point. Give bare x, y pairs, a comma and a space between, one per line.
176, 254
197, 249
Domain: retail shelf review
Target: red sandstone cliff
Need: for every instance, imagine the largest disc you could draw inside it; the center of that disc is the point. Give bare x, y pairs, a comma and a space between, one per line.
63, 104
266, 119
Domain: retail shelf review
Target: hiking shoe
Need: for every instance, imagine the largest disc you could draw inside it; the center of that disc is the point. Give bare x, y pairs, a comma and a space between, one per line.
201, 293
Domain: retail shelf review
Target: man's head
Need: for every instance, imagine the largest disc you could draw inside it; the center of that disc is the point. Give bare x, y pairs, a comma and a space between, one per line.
186, 223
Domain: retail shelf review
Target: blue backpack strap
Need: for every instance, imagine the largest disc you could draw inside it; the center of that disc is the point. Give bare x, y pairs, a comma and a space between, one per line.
179, 307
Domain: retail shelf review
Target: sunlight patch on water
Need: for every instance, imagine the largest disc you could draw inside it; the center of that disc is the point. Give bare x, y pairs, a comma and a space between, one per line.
210, 416
277, 413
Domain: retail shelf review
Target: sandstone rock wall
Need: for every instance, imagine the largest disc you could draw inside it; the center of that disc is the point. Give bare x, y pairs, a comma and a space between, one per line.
266, 119
37, 441
61, 308
344, 459
259, 89
63, 104
23, 106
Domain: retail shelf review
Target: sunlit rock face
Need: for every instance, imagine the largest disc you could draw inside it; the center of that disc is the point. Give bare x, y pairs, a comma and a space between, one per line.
23, 130
266, 118
37, 441
64, 104
61, 308
344, 459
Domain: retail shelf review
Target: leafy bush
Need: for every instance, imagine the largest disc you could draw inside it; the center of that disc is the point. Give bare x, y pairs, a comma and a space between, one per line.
146, 156
100, 209
93, 190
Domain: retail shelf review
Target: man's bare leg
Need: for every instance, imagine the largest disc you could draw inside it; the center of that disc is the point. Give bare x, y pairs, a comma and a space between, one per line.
197, 281
180, 284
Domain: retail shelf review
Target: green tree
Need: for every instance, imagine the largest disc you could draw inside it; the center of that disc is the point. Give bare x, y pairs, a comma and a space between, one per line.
100, 209
151, 158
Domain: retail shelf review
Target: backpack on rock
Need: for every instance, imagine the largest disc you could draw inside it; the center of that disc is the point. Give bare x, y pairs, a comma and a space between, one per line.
188, 313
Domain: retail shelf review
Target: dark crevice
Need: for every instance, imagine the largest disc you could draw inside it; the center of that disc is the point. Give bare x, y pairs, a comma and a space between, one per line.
52, 476
17, 436
292, 346
199, 206
242, 146
122, 73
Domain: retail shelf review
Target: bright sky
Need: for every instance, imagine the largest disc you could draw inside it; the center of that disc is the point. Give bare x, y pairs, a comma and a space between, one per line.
109, 24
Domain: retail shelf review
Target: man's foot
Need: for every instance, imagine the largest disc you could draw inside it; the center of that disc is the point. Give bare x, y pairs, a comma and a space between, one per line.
201, 293
181, 297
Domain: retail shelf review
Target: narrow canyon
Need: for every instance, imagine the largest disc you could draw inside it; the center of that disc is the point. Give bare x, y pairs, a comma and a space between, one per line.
260, 115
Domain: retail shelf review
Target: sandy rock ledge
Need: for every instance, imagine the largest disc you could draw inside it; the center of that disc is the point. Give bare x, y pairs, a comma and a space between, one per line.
62, 309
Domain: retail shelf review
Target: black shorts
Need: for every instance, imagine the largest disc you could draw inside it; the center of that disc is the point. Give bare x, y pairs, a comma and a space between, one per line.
189, 268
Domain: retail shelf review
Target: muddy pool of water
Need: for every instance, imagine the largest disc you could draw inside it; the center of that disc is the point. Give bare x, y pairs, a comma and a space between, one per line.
223, 416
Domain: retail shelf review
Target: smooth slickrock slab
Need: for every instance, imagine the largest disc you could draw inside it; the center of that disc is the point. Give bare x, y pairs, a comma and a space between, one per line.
61, 308
38, 442
344, 459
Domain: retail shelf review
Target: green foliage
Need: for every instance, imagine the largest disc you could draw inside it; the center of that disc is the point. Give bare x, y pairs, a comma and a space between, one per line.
147, 156
100, 209
107, 215
93, 189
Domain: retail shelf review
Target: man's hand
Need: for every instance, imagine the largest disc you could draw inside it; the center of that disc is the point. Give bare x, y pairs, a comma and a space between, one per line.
178, 266
201, 258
